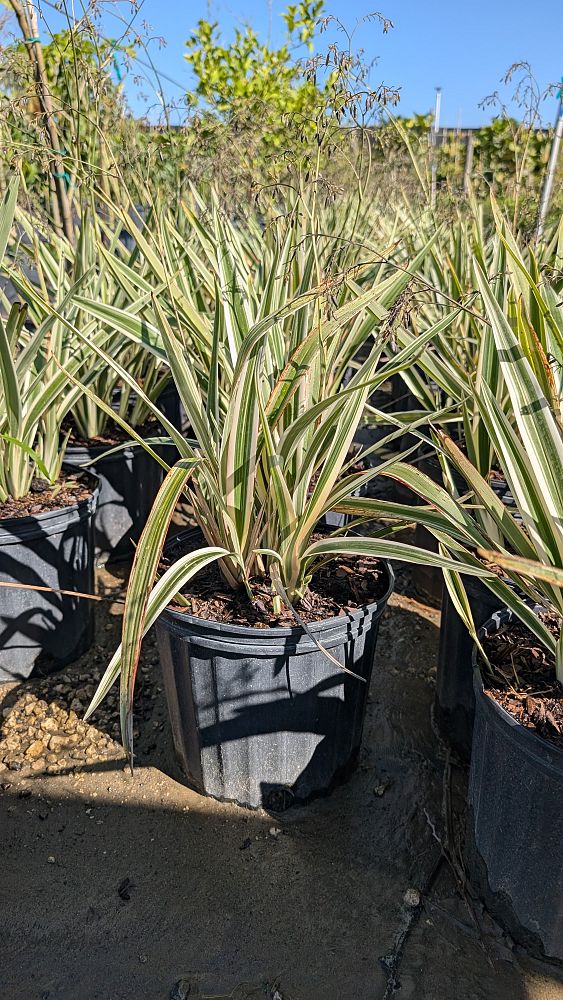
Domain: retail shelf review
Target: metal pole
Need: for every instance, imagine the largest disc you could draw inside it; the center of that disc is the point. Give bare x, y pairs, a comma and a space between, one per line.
551, 167
468, 164
433, 138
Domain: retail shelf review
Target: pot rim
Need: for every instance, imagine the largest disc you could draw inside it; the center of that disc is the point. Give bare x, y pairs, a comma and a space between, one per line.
284, 633
95, 452
544, 753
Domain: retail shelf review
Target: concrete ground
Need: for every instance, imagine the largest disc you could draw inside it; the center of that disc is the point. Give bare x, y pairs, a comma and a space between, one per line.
120, 887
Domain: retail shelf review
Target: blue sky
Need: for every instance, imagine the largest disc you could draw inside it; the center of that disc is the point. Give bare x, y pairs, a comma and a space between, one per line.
464, 47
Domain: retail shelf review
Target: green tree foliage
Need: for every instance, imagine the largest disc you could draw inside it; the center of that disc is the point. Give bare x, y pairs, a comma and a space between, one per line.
89, 107
250, 76
254, 87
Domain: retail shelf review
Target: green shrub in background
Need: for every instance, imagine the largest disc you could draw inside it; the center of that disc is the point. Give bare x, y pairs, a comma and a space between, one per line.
252, 81
259, 118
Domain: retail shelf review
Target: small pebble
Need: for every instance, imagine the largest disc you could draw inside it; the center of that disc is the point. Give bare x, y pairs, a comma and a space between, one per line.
35, 749
412, 897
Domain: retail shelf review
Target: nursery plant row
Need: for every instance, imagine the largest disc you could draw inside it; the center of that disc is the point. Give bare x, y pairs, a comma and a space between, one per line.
326, 394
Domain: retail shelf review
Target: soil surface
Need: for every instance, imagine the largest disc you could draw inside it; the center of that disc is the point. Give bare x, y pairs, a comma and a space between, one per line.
71, 488
112, 435
338, 588
525, 681
133, 887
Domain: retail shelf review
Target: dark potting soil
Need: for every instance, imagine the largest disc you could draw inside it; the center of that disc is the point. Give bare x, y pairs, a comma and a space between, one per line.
71, 488
112, 435
338, 588
525, 684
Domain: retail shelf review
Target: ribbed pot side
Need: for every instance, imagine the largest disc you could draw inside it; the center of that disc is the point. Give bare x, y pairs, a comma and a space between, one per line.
262, 717
454, 704
42, 631
515, 824
129, 482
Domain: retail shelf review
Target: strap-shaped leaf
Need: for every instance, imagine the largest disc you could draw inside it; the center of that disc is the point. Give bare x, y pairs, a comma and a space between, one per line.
31, 452
525, 567
508, 596
143, 573
114, 365
7, 209
484, 493
368, 509
8, 374
160, 597
539, 431
356, 545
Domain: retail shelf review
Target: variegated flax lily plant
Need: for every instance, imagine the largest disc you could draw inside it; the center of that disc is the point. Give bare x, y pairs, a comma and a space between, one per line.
53, 274
273, 428
34, 393
527, 441
518, 397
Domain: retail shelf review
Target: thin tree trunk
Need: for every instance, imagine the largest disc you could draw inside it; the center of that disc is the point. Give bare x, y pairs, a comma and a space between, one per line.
27, 21
468, 164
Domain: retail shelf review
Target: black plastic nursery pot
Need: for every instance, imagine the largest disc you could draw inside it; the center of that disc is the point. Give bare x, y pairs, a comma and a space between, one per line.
171, 405
129, 482
365, 437
262, 717
454, 702
515, 823
43, 631
334, 519
428, 580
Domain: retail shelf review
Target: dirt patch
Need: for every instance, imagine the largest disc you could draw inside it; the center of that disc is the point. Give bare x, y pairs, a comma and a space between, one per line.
121, 887
338, 588
70, 489
43, 736
525, 682
42, 726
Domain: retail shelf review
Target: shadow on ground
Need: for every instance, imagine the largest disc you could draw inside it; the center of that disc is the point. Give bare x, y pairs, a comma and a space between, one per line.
133, 887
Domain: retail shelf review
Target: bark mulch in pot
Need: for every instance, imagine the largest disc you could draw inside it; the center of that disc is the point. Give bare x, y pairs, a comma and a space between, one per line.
112, 435
71, 488
524, 683
338, 588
